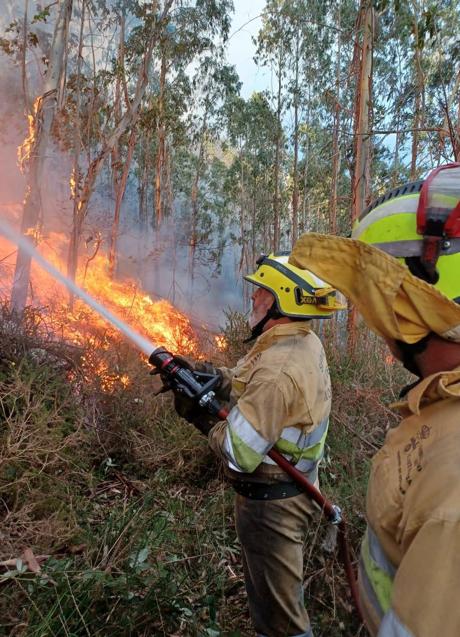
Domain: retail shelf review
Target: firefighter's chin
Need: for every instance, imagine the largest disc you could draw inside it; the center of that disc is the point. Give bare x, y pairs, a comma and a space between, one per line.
255, 317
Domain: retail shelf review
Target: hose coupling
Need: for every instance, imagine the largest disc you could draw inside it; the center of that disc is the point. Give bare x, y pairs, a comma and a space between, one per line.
206, 399
335, 516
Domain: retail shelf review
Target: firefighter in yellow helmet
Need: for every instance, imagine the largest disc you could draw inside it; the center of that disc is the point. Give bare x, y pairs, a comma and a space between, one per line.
279, 396
408, 291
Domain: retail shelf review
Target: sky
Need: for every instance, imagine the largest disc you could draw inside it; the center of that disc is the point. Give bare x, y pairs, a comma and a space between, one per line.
241, 49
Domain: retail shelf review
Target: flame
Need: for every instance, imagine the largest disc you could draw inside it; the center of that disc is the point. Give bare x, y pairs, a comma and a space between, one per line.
34, 233
159, 321
25, 149
73, 184
221, 342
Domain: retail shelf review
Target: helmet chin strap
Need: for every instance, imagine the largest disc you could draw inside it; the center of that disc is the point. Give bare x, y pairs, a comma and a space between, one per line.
409, 351
273, 313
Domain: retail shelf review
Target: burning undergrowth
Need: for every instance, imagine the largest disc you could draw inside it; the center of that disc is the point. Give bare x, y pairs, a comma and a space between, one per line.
101, 492
68, 409
158, 321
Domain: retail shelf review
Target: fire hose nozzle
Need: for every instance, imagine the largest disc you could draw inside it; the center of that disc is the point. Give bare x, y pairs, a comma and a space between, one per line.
196, 385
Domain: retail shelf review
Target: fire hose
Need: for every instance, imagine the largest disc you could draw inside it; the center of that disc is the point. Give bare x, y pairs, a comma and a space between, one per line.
200, 388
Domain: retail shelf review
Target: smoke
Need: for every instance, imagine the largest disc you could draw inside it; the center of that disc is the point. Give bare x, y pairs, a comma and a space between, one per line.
160, 260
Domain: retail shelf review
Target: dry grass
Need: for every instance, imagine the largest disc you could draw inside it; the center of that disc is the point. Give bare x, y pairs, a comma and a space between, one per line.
127, 499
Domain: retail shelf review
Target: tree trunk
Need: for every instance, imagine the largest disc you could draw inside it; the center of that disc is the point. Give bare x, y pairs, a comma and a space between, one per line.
419, 103
360, 185
161, 145
168, 204
295, 172
40, 139
335, 137
305, 198
143, 183
119, 194
276, 196
25, 87
194, 195
119, 170
362, 118
76, 173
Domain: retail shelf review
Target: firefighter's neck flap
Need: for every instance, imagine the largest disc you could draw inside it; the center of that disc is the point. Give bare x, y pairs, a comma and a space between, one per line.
393, 302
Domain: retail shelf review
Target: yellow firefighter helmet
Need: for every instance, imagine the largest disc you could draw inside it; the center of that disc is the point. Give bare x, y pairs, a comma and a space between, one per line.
298, 293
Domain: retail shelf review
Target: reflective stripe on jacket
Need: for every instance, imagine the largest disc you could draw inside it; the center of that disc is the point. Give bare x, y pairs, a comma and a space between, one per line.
409, 570
281, 394
245, 448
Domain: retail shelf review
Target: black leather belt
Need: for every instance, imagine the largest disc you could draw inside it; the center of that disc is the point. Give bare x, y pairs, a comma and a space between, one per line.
261, 491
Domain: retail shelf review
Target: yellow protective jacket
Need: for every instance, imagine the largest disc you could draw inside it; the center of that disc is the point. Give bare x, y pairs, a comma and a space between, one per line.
280, 397
409, 572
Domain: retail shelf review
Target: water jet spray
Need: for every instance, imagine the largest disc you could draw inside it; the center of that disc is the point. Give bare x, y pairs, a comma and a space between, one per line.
199, 387
142, 343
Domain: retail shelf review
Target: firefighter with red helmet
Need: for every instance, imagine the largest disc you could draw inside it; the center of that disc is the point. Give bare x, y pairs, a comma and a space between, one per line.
402, 271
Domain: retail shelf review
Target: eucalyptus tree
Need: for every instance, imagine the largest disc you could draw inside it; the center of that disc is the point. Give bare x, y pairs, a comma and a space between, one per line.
214, 85
34, 150
167, 127
439, 28
252, 131
152, 20
417, 82
198, 33
308, 38
272, 43
364, 48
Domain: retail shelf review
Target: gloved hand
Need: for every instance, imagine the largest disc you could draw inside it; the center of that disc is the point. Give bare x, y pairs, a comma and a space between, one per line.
187, 407
224, 386
193, 413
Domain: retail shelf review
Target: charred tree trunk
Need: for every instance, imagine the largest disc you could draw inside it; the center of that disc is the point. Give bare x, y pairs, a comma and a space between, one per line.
39, 140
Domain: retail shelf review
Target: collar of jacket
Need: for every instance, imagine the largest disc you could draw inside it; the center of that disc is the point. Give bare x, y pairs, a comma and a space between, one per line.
278, 331
429, 390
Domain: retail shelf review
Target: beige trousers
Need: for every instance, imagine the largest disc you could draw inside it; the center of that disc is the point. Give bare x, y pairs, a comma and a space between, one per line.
271, 533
